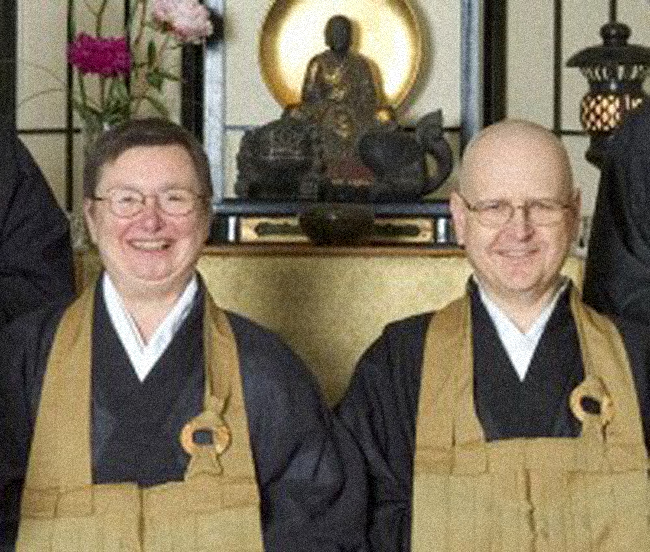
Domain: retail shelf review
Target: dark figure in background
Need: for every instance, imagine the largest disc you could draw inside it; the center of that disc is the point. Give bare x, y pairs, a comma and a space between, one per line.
516, 417
144, 417
617, 276
36, 264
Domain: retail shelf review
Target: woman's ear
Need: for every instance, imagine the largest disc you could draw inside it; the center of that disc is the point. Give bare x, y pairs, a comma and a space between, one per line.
89, 217
459, 216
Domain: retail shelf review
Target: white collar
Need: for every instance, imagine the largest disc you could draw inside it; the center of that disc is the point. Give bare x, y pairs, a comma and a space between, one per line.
143, 356
519, 345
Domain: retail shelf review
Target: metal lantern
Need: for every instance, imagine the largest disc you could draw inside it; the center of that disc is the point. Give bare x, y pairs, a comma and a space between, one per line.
615, 72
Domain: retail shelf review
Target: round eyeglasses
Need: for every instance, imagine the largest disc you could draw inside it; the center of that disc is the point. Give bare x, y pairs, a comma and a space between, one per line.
126, 202
539, 212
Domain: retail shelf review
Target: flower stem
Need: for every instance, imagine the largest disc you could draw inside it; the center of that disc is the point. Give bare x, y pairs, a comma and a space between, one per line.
138, 77
99, 18
157, 64
102, 93
83, 95
142, 25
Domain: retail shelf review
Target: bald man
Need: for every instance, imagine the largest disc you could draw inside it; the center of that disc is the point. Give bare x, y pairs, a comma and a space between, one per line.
515, 418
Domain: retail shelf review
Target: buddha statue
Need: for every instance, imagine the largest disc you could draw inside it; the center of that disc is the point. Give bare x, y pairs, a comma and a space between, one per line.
340, 101
340, 94
341, 142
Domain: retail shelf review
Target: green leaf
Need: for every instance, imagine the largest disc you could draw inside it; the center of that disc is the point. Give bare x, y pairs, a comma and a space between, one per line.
122, 91
91, 116
156, 79
118, 90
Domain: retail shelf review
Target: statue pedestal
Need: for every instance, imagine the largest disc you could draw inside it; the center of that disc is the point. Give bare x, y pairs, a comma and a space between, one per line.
425, 224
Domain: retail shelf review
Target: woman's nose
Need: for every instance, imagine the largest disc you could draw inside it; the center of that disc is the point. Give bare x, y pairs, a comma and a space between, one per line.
151, 212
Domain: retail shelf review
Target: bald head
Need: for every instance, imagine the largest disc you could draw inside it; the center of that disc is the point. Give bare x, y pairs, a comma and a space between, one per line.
516, 214
514, 151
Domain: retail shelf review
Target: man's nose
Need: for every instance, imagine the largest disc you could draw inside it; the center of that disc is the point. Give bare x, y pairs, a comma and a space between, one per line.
520, 221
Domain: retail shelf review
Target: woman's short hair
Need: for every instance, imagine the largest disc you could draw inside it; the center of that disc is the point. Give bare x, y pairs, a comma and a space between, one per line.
153, 131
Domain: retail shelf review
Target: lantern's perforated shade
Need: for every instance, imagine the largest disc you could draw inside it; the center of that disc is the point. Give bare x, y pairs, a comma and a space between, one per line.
618, 73
602, 113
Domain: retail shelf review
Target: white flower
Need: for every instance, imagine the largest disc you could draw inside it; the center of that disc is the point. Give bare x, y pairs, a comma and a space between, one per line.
188, 20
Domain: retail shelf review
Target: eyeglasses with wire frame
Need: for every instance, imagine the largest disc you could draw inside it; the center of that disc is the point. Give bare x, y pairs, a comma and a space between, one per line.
127, 202
539, 212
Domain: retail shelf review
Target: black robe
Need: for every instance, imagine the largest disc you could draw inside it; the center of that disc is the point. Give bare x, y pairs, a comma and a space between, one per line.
35, 254
310, 472
380, 407
617, 272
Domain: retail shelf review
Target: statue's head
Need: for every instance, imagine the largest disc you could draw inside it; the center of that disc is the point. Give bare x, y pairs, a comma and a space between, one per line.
338, 33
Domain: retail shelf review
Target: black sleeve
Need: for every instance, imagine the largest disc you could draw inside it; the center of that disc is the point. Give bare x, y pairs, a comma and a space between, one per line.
617, 269
36, 263
14, 439
637, 344
24, 348
310, 471
380, 409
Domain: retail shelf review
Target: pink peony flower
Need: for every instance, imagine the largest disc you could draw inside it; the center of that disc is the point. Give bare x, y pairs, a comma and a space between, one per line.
104, 56
187, 20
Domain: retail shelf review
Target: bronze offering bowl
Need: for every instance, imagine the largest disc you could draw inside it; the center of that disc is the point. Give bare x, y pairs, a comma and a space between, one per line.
337, 223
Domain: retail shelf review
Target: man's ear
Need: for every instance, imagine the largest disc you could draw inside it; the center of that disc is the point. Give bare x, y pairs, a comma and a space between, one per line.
577, 212
459, 216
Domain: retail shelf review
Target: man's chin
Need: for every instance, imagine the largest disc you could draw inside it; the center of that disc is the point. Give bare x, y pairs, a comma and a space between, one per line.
526, 288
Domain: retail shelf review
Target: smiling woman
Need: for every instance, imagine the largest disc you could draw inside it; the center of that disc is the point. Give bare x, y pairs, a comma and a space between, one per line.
149, 250
146, 251
144, 359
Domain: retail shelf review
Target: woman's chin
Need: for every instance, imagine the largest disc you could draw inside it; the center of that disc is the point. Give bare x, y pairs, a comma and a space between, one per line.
146, 282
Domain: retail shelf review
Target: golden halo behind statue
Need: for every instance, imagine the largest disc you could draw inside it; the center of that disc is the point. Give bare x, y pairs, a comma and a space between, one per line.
386, 32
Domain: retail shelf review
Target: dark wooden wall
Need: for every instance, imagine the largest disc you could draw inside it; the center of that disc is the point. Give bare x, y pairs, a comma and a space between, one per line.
8, 16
